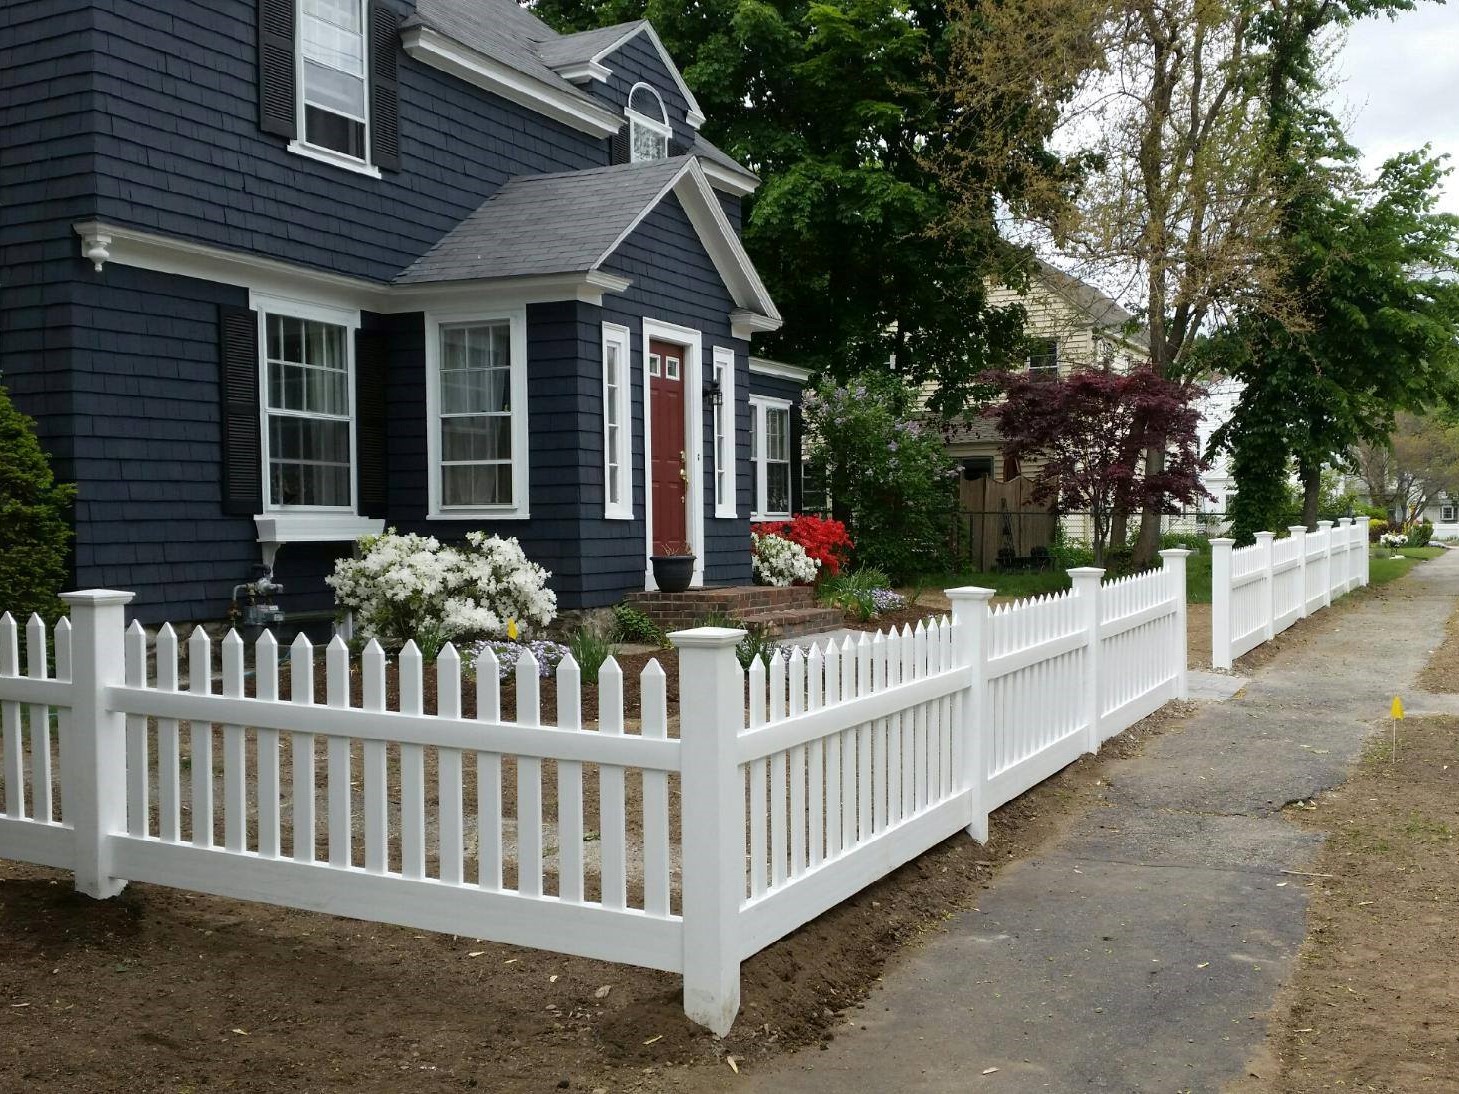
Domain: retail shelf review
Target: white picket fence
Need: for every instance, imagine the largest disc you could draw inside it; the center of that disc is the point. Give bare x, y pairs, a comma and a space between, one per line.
1259, 591
795, 785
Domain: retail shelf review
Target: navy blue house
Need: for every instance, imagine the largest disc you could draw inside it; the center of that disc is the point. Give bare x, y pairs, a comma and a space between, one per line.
275, 274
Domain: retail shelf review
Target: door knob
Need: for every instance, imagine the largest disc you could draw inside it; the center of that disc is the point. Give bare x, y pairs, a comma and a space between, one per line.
684, 468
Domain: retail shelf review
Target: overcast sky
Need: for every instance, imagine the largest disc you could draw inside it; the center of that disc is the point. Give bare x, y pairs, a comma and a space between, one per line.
1398, 84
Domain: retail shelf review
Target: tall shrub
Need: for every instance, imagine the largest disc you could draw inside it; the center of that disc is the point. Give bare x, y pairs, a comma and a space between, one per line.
35, 530
889, 475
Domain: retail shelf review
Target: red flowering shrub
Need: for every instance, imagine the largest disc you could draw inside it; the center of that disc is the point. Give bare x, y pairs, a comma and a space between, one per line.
824, 540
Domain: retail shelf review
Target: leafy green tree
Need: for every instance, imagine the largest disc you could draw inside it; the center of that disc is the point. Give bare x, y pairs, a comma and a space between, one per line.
35, 532
840, 107
888, 473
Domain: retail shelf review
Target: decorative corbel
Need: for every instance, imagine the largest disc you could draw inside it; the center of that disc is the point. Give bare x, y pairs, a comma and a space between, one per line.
96, 248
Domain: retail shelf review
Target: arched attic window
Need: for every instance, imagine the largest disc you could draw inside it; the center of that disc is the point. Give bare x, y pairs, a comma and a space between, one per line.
648, 125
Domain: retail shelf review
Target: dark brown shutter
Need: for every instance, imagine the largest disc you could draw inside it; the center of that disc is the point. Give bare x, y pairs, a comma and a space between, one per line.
618, 147
242, 455
384, 87
372, 356
277, 106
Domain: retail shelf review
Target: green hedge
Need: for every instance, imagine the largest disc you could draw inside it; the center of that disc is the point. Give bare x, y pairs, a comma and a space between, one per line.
35, 527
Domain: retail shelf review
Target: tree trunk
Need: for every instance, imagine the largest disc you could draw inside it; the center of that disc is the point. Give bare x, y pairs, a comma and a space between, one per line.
1150, 518
1311, 493
1119, 528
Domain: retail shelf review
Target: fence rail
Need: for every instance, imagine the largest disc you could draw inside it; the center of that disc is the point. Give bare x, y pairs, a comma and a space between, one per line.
219, 770
1259, 591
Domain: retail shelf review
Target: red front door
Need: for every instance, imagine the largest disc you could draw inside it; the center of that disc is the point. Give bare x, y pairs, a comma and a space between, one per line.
666, 370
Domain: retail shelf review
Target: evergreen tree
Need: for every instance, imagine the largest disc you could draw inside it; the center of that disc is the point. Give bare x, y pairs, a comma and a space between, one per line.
35, 532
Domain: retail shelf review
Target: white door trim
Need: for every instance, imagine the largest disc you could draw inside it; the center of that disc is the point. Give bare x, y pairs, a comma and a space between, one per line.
693, 343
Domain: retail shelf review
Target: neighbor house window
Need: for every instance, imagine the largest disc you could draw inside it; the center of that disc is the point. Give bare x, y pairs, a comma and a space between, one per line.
1043, 358
648, 125
307, 395
725, 486
1448, 513
770, 454
617, 425
477, 404
333, 77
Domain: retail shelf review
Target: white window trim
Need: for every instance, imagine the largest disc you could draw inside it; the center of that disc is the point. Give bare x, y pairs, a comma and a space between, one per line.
693, 343
520, 509
264, 306
300, 145
619, 336
758, 405
726, 507
659, 125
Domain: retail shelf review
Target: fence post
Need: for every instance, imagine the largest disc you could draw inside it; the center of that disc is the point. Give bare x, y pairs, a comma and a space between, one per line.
1221, 603
970, 620
713, 819
1324, 529
1348, 583
1174, 563
1264, 541
1367, 549
1086, 581
1299, 533
93, 738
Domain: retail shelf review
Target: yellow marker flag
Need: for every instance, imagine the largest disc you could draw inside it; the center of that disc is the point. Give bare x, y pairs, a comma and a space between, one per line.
1396, 710
512, 636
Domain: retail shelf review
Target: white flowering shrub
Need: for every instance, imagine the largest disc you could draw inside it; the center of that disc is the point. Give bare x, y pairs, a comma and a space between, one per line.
405, 587
1393, 539
777, 561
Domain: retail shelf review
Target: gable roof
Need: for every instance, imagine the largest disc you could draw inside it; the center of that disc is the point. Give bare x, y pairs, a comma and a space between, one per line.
503, 33
1104, 311
574, 221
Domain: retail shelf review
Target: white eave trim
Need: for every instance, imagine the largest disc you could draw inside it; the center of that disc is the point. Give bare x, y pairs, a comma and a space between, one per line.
762, 366
722, 178
581, 72
435, 49
102, 243
745, 324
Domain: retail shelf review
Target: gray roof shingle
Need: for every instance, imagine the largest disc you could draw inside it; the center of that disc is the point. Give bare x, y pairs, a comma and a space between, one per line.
570, 49
545, 224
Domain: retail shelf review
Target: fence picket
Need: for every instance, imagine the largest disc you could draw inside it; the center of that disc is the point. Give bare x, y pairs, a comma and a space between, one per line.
757, 783
876, 670
169, 762
835, 660
266, 687
412, 768
488, 776
569, 787
795, 673
374, 779
449, 773
815, 758
138, 766
10, 720
612, 801
40, 722
653, 687
529, 784
921, 745
64, 720
302, 780
200, 738
779, 779
235, 757
903, 653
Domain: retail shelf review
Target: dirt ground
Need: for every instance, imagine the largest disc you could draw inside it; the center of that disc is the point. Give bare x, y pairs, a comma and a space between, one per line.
159, 990
1375, 1002
1441, 674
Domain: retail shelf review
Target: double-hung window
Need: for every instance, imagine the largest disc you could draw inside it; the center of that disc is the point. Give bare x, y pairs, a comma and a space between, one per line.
648, 125
770, 449
335, 94
476, 402
1448, 513
617, 425
725, 487
1043, 359
307, 398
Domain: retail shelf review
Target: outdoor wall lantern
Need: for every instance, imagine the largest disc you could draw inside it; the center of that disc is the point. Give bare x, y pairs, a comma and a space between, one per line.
713, 393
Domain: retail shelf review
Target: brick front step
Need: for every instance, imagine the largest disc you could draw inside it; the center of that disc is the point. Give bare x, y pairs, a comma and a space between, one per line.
784, 613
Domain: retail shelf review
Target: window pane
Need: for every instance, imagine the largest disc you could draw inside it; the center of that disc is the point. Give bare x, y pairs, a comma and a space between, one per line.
644, 101
777, 434
334, 131
335, 91
777, 486
309, 462
647, 145
476, 484
471, 439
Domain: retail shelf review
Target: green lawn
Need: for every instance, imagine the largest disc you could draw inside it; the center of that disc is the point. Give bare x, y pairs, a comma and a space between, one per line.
1198, 581
1422, 553
1383, 567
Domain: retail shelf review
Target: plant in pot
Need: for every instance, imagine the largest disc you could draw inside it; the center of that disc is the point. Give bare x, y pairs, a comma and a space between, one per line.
673, 562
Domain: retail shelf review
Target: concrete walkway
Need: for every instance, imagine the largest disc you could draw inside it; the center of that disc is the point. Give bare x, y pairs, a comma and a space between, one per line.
1141, 951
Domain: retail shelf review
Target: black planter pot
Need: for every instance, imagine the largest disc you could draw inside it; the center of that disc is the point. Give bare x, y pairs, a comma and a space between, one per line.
673, 573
